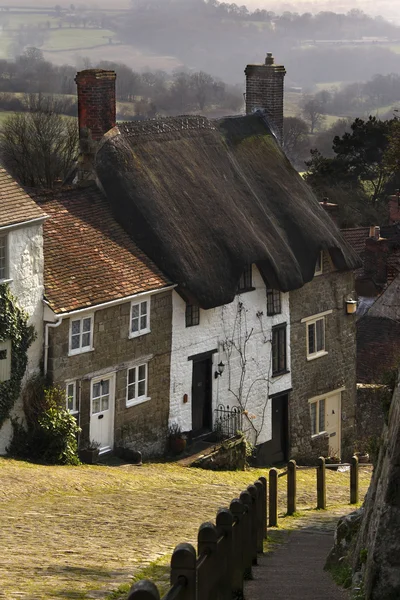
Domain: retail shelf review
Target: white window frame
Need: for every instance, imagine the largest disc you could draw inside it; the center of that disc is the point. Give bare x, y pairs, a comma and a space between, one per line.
6, 273
5, 366
312, 320
139, 302
326, 398
74, 410
144, 397
321, 261
317, 403
81, 349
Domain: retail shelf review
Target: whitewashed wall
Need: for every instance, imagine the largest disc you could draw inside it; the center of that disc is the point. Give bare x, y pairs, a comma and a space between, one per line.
25, 251
217, 326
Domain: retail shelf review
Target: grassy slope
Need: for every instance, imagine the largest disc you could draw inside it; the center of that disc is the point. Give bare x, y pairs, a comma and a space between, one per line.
66, 531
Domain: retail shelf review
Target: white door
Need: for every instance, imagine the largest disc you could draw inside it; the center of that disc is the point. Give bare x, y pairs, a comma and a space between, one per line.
102, 412
332, 422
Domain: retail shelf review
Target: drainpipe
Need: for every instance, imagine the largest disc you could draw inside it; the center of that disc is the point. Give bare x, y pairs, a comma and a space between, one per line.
46, 341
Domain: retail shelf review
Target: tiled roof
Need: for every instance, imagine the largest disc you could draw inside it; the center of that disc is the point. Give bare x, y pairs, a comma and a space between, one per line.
356, 238
89, 259
15, 204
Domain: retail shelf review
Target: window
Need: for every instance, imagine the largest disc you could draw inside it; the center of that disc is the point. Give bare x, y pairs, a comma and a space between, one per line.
100, 396
3, 257
71, 398
81, 331
136, 385
319, 264
245, 281
192, 316
140, 318
317, 414
5, 360
315, 335
279, 350
273, 302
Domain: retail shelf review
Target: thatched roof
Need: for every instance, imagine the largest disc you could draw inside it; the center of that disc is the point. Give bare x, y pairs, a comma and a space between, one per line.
205, 198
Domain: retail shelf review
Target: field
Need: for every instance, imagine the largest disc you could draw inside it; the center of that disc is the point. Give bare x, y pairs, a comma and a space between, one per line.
72, 532
70, 39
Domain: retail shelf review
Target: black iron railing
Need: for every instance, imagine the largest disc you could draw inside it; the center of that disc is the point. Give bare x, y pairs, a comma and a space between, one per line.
228, 421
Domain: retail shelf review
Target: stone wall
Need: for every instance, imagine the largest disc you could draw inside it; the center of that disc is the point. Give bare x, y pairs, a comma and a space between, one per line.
378, 348
143, 426
333, 371
372, 401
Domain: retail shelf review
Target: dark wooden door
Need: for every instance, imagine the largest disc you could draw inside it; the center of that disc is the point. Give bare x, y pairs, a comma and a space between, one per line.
278, 447
201, 396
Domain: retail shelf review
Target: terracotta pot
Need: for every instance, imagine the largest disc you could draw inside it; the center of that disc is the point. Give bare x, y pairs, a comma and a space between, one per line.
177, 445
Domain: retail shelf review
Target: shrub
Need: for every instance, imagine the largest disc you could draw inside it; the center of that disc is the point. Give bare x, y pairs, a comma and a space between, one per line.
51, 433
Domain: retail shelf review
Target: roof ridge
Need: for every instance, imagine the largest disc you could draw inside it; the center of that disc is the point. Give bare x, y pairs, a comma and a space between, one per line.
166, 125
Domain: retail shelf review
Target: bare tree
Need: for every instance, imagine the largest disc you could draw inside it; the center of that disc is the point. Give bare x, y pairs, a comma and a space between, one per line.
39, 147
313, 113
295, 139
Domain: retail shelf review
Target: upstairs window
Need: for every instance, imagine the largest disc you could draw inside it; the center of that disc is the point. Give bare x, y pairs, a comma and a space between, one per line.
279, 360
140, 318
315, 334
273, 302
3, 257
192, 315
245, 281
319, 264
81, 335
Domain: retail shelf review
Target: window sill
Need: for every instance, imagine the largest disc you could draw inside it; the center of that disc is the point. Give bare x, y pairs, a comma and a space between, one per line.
6, 280
273, 314
74, 413
131, 403
317, 355
250, 289
321, 434
280, 373
139, 334
318, 273
77, 352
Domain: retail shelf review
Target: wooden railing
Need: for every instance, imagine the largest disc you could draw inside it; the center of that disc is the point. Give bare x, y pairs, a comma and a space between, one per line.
225, 554
227, 550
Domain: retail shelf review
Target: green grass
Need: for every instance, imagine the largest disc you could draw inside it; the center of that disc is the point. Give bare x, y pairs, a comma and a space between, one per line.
69, 39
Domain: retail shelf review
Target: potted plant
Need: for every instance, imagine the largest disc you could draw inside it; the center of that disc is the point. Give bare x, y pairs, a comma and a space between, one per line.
176, 440
89, 452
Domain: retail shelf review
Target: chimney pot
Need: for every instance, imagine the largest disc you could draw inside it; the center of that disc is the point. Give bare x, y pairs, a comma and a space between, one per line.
269, 60
377, 234
372, 231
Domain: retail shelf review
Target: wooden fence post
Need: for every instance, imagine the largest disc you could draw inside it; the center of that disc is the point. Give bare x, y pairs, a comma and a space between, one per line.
224, 523
273, 498
237, 508
260, 516
208, 571
321, 483
253, 493
265, 495
291, 487
354, 496
183, 565
247, 526
144, 590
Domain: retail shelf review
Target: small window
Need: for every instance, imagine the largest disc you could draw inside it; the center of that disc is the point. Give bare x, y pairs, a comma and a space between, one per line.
136, 385
3, 257
319, 264
279, 364
140, 318
5, 360
71, 398
317, 414
192, 315
316, 337
245, 281
81, 332
273, 302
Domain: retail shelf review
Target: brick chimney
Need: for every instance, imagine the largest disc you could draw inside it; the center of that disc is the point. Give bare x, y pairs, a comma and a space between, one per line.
394, 208
96, 115
376, 255
331, 209
264, 91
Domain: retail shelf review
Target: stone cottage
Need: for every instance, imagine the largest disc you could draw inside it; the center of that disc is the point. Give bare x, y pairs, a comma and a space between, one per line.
107, 323
21, 268
219, 209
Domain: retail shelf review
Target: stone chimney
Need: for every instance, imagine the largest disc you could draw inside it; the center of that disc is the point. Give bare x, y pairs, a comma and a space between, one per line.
332, 210
376, 256
264, 91
96, 114
394, 208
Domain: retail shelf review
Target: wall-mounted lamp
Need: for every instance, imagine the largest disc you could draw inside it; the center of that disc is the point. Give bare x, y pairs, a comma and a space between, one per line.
220, 368
351, 307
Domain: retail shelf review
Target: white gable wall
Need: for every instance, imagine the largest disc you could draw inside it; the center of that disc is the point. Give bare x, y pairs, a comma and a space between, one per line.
25, 259
218, 327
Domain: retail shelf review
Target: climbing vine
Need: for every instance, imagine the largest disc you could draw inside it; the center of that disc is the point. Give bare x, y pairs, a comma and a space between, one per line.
13, 326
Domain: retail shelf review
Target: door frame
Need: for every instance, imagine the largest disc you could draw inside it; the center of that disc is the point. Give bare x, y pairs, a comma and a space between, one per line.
338, 391
112, 377
276, 396
196, 358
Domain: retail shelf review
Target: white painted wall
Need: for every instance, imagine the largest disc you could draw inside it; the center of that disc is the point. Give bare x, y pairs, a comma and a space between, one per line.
26, 264
216, 327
